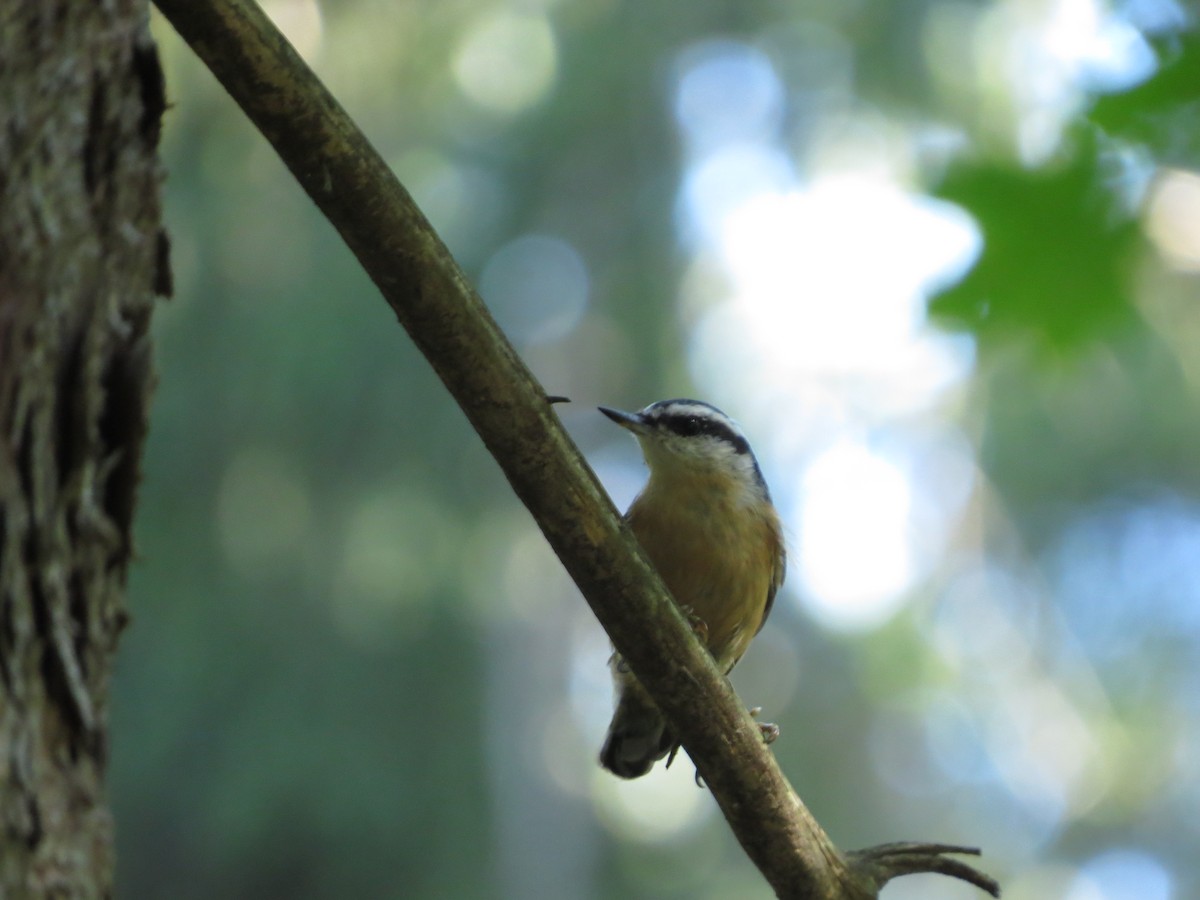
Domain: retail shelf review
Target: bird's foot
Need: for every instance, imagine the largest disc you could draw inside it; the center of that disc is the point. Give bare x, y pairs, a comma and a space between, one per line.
770, 731
699, 626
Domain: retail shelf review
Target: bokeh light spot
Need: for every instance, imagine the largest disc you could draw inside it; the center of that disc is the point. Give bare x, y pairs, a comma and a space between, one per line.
1129, 574
398, 548
854, 559
1171, 218
662, 806
507, 61
727, 91
263, 511
537, 287
1122, 875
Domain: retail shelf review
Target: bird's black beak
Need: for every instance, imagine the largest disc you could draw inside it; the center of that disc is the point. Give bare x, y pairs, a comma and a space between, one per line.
631, 421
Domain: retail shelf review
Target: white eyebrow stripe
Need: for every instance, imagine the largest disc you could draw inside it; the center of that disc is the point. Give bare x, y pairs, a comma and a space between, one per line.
693, 417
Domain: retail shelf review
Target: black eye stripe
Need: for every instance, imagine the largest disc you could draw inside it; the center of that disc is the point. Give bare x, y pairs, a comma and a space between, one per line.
690, 425
689, 418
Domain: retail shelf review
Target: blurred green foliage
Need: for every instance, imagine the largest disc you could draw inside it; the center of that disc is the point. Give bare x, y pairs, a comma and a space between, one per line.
355, 669
1057, 254
1162, 113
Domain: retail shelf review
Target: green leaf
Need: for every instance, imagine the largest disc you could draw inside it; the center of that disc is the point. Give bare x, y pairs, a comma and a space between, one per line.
1055, 259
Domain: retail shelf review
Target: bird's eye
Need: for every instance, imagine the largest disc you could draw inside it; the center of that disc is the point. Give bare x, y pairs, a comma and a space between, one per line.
691, 426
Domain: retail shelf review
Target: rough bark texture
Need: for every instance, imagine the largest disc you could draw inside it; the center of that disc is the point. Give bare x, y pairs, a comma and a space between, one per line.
81, 258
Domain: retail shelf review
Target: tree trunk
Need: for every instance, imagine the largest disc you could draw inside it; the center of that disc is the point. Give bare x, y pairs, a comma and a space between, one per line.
81, 258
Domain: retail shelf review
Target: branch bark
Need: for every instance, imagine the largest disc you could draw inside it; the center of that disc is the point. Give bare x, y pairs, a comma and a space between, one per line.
81, 258
443, 315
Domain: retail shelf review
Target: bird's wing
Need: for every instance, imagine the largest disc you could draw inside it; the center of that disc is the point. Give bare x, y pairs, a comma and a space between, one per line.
777, 576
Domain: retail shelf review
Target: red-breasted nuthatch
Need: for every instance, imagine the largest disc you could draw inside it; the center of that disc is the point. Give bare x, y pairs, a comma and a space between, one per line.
706, 521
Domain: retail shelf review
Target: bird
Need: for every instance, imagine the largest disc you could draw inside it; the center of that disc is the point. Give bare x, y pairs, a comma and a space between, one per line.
706, 521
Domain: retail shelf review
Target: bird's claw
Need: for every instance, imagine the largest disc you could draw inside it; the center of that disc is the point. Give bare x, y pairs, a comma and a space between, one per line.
699, 626
770, 731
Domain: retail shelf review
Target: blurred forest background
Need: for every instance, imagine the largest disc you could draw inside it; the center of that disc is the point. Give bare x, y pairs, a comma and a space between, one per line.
939, 257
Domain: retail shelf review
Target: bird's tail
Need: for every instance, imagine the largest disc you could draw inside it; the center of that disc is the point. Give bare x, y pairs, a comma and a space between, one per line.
638, 736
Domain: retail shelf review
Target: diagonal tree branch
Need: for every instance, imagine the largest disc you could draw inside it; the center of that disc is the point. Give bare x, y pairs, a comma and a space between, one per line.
443, 315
